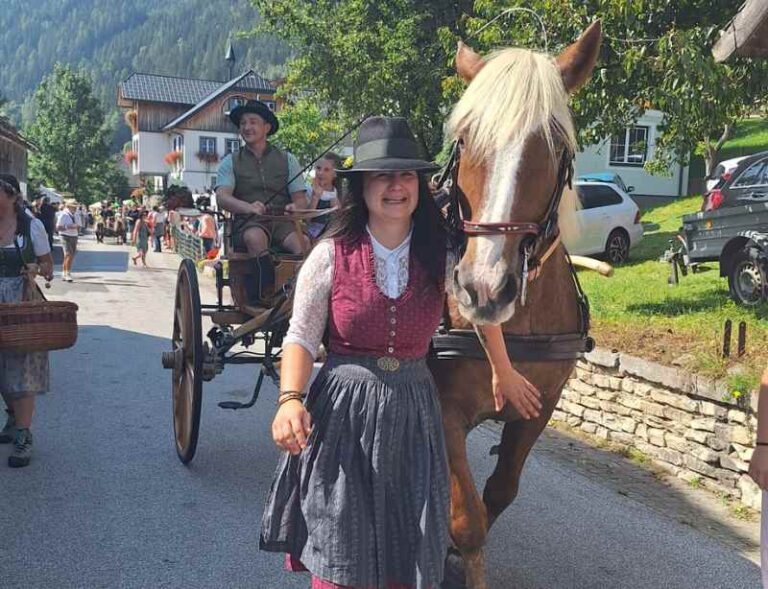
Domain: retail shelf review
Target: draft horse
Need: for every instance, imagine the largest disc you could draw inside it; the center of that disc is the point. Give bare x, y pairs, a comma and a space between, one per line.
515, 142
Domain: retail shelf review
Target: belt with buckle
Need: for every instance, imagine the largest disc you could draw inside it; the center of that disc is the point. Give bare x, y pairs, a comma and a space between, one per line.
388, 364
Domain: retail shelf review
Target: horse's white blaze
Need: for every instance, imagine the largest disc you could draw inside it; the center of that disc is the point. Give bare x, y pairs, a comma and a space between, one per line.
496, 208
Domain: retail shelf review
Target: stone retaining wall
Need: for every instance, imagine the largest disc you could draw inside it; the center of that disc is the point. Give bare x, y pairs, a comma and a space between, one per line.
686, 424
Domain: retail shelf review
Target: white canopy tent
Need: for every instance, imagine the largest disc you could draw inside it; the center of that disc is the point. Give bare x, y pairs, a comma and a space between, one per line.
53, 196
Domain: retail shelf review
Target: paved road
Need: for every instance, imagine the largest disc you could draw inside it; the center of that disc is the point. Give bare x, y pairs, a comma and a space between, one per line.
107, 504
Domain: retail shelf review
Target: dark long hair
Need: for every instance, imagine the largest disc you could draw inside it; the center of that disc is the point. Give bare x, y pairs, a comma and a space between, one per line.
10, 186
430, 237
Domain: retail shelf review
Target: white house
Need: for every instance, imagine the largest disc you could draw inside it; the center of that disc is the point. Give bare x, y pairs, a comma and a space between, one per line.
626, 153
181, 128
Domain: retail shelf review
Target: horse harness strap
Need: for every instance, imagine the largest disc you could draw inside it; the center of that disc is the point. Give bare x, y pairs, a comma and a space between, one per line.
463, 343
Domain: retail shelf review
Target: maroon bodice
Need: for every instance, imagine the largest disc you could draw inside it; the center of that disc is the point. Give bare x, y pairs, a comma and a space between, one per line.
363, 321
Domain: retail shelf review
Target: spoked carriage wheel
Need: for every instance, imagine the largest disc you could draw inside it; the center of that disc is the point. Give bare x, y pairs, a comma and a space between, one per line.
187, 362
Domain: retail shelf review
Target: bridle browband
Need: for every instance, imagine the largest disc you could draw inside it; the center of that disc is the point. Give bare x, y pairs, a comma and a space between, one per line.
546, 229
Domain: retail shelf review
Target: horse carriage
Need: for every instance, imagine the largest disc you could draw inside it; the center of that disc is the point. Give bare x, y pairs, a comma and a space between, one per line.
242, 332
111, 227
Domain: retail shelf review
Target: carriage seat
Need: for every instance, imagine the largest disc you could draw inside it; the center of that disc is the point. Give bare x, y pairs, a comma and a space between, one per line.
240, 265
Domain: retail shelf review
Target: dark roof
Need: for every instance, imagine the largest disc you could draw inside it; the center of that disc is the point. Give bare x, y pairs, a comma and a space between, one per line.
238, 82
9, 132
155, 88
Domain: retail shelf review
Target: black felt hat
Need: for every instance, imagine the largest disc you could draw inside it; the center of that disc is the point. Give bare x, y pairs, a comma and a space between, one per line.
256, 107
387, 144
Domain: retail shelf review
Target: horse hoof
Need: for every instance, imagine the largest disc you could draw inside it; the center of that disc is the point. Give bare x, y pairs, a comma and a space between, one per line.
455, 577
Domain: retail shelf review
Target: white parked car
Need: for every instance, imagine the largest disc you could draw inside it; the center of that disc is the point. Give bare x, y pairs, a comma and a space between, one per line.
609, 220
723, 171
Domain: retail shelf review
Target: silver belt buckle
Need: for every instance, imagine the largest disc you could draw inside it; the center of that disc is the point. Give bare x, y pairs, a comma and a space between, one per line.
388, 364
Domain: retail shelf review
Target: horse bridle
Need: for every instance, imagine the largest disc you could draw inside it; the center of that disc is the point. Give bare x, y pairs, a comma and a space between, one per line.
536, 235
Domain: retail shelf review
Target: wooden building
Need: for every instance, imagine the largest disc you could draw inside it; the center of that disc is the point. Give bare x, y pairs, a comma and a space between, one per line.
13, 153
181, 128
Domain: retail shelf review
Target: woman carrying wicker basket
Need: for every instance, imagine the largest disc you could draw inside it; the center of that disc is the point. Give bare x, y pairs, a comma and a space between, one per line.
24, 247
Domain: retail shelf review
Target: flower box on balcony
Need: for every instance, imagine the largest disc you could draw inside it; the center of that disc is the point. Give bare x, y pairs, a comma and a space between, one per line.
172, 158
130, 156
208, 157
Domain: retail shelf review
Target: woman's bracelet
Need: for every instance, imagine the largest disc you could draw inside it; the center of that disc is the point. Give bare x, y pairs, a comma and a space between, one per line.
286, 396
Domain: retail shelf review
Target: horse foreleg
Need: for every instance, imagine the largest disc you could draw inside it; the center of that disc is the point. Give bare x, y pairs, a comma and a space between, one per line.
517, 439
468, 520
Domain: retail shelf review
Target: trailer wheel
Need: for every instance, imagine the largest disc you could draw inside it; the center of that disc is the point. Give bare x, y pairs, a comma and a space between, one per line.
747, 278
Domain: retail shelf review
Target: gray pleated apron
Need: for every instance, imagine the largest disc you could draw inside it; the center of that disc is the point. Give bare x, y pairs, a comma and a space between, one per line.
366, 503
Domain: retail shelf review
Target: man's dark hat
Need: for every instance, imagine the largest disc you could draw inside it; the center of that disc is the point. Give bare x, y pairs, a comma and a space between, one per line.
256, 107
387, 144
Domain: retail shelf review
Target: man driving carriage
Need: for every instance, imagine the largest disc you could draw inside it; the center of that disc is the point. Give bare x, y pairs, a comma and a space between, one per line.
248, 180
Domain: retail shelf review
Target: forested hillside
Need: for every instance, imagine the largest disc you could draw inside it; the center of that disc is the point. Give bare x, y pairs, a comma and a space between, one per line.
114, 39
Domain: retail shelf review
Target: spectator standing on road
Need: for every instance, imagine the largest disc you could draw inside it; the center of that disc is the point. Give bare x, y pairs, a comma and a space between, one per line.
48, 218
80, 219
158, 231
23, 240
132, 216
758, 470
140, 239
66, 225
207, 231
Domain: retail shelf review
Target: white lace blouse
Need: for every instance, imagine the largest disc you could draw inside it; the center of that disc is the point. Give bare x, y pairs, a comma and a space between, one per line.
313, 287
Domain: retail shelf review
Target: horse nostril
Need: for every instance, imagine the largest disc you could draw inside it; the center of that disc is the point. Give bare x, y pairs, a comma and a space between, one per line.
464, 290
509, 290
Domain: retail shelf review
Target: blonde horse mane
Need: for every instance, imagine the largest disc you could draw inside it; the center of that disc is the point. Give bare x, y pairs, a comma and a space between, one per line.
517, 93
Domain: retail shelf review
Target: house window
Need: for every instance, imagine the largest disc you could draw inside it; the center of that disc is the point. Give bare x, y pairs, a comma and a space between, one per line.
207, 144
231, 146
178, 143
629, 148
233, 102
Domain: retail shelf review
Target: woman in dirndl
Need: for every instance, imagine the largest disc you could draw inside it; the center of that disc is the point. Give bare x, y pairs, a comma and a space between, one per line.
361, 496
23, 245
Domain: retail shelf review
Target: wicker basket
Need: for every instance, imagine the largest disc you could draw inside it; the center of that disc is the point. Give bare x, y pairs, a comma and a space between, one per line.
38, 326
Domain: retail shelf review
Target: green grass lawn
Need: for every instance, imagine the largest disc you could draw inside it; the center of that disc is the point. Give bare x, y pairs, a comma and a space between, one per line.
638, 312
751, 136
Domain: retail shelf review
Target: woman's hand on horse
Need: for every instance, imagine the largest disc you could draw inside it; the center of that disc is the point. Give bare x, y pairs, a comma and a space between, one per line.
292, 426
515, 388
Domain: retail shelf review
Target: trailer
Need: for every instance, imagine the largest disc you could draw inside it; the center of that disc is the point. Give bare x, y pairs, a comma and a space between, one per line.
735, 237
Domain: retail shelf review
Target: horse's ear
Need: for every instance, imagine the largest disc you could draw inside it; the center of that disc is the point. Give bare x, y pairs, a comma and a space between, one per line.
578, 60
468, 63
